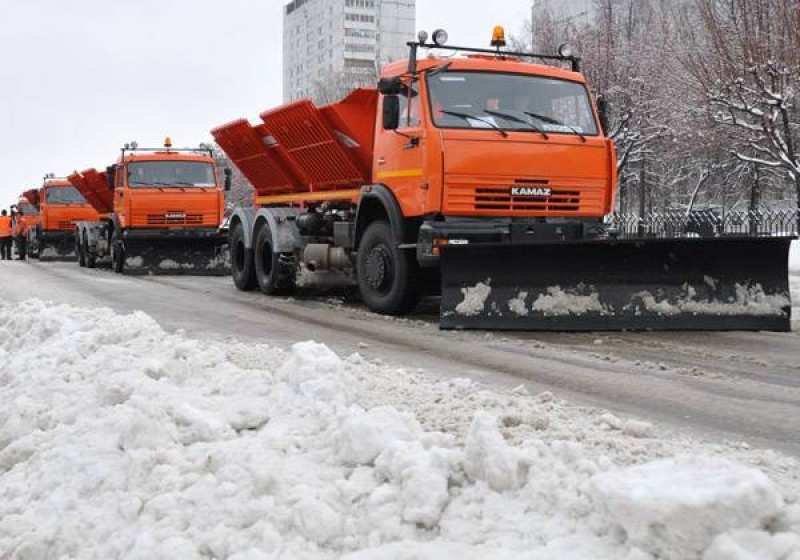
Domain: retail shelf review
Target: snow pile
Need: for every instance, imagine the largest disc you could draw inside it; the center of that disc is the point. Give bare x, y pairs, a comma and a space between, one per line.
676, 506
118, 439
474, 299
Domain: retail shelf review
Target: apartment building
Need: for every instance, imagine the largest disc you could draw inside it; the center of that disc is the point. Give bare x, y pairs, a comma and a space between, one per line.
329, 40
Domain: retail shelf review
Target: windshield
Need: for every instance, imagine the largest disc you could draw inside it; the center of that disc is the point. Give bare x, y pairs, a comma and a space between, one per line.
171, 173
63, 195
26, 209
510, 101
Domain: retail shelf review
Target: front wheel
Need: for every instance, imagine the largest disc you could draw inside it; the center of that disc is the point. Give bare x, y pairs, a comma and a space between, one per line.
388, 277
117, 257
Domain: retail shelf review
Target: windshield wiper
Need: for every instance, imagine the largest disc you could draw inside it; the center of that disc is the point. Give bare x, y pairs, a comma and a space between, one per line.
551, 120
468, 116
515, 118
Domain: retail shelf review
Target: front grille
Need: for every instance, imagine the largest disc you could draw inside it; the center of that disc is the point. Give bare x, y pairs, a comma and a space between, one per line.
500, 198
65, 224
166, 220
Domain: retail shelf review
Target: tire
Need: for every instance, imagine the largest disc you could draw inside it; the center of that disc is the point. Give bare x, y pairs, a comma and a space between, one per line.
242, 268
275, 272
388, 277
91, 260
80, 250
117, 256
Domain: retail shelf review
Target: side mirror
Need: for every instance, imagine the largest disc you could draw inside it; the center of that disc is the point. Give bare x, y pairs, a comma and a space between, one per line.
228, 174
391, 112
390, 86
602, 112
111, 173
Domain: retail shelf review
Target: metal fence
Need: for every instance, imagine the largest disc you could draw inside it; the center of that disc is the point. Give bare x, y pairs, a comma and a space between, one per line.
707, 223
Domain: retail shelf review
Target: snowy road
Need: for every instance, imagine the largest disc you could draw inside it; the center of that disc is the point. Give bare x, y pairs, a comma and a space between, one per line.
727, 386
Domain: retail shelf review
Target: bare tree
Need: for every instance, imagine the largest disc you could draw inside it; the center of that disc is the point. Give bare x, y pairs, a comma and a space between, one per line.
749, 69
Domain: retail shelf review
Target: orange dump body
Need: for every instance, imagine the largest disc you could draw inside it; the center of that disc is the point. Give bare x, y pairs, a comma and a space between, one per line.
59, 209
301, 148
93, 185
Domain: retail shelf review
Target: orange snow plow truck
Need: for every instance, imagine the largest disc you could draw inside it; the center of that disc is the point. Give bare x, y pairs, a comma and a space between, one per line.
160, 211
58, 206
485, 177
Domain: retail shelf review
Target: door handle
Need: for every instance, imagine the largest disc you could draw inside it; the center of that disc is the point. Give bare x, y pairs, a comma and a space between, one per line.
381, 161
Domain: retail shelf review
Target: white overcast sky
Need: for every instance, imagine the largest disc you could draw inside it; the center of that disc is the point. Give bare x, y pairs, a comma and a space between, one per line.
79, 78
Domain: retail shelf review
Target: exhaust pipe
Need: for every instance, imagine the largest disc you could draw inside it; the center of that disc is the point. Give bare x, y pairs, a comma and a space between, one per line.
322, 256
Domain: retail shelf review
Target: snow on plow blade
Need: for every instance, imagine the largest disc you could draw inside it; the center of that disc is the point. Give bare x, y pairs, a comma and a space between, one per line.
175, 257
602, 285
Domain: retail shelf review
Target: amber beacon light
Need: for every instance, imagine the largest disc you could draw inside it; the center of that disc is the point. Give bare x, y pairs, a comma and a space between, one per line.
498, 36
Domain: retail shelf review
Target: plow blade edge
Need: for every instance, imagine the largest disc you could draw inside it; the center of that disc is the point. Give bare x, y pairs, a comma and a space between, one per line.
604, 285
176, 257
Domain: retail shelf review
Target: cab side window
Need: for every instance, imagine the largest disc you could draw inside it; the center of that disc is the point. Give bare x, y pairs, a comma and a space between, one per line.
410, 109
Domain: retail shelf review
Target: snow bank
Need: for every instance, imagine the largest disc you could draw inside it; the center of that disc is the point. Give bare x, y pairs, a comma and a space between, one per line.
119, 440
676, 506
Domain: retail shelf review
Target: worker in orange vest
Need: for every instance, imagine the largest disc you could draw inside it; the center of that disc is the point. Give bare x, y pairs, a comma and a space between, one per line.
20, 234
5, 235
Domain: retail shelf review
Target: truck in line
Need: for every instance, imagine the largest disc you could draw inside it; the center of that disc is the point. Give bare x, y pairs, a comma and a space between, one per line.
159, 212
485, 177
58, 206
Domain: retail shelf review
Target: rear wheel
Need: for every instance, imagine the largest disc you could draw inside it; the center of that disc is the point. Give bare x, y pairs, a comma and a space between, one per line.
91, 260
79, 249
275, 272
242, 269
388, 277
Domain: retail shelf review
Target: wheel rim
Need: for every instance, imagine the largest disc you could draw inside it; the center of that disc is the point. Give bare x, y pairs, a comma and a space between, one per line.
379, 269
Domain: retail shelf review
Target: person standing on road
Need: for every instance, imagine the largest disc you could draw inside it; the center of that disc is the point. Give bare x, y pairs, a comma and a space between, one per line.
20, 234
5, 235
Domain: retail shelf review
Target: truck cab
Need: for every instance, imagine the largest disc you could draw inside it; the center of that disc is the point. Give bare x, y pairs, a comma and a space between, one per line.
488, 148
166, 190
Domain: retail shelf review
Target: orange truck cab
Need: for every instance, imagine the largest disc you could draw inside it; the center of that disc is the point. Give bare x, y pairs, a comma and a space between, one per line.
160, 211
484, 176
59, 206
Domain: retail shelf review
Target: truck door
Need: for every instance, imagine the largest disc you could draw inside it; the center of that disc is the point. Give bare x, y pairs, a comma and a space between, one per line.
400, 155
119, 195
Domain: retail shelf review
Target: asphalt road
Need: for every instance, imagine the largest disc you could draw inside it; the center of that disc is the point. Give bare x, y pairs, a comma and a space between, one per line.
738, 386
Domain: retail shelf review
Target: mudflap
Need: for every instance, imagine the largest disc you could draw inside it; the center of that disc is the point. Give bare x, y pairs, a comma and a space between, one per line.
190, 257
606, 285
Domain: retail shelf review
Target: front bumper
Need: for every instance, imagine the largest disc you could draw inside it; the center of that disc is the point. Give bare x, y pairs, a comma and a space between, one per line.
174, 234
434, 234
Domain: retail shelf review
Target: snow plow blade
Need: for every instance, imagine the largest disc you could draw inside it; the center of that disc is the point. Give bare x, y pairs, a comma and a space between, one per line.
630, 284
176, 257
59, 249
